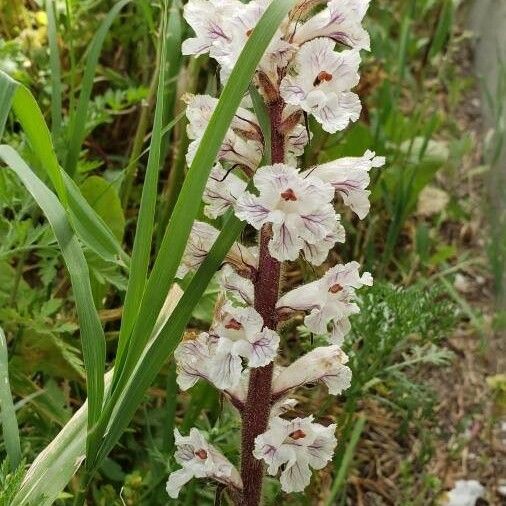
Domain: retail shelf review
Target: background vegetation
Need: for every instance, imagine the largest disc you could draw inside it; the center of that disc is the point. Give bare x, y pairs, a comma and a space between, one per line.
405, 432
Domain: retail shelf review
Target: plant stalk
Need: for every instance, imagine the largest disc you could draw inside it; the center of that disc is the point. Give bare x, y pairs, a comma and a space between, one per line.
255, 416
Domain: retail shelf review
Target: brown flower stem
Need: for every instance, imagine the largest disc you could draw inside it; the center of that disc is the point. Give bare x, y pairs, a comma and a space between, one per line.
255, 416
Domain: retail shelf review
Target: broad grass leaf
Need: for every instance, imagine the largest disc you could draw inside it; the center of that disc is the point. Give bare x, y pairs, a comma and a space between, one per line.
105, 201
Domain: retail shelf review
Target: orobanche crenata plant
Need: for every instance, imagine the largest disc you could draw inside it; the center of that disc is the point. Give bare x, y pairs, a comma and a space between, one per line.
310, 68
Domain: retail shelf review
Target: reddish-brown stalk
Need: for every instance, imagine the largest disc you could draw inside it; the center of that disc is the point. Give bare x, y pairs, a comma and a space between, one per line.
255, 415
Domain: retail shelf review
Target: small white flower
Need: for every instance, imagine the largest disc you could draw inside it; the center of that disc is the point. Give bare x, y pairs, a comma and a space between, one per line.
295, 142
325, 364
222, 191
199, 459
200, 241
299, 445
239, 28
222, 29
319, 81
328, 300
208, 18
340, 21
242, 144
194, 360
350, 177
217, 356
296, 134
283, 406
200, 108
465, 493
298, 208
239, 334
276, 58
317, 253
236, 286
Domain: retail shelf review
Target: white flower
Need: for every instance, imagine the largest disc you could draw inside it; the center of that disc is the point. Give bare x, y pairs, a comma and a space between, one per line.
200, 241
194, 360
239, 334
199, 459
217, 356
341, 21
275, 59
239, 28
239, 288
319, 81
296, 134
299, 209
222, 191
208, 18
222, 29
200, 108
325, 363
242, 144
465, 493
328, 300
299, 445
317, 253
350, 177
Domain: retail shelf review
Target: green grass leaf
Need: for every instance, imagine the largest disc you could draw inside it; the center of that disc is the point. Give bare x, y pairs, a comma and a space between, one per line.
345, 462
54, 65
7, 89
92, 334
91, 228
30, 117
79, 116
104, 199
7, 413
141, 252
53, 468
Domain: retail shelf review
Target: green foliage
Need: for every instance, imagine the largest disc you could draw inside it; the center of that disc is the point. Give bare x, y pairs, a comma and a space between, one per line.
104, 199
7, 415
396, 329
10, 482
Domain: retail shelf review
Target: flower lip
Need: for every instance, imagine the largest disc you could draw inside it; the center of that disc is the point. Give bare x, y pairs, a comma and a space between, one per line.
297, 434
322, 76
233, 324
335, 288
201, 454
289, 195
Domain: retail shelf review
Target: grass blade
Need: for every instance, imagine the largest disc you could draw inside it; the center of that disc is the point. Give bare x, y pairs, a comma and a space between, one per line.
78, 117
54, 467
54, 65
443, 29
346, 460
7, 412
173, 51
141, 252
31, 119
265, 124
7, 89
92, 334
188, 203
91, 228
